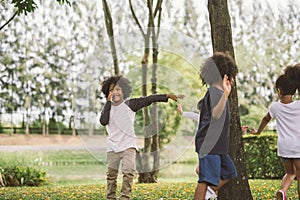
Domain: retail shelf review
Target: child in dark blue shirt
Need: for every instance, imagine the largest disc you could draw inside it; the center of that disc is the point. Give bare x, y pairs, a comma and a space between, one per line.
212, 138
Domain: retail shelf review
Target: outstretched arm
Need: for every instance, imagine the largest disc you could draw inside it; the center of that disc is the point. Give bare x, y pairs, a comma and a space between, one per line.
191, 115
175, 97
262, 125
219, 108
138, 103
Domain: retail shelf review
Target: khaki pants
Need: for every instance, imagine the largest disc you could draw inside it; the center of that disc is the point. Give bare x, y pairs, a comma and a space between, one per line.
128, 170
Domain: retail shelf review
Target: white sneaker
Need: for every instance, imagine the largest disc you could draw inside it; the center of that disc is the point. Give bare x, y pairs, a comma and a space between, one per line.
210, 194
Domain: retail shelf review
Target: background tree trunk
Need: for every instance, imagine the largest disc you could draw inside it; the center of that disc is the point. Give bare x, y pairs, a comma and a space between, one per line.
146, 174
222, 41
110, 33
154, 114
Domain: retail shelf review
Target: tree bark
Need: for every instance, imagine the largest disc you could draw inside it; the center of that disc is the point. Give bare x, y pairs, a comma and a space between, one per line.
110, 33
27, 122
146, 174
222, 41
155, 137
154, 116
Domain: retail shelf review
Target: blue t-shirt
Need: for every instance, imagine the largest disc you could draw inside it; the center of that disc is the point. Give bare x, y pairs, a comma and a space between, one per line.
213, 134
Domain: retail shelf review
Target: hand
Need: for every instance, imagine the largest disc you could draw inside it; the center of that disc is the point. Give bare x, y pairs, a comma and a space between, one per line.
252, 131
179, 108
244, 128
226, 85
110, 95
175, 97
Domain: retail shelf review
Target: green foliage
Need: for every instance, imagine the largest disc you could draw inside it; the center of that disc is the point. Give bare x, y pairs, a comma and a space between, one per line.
38, 123
261, 156
25, 6
169, 124
16, 174
53, 124
168, 118
253, 115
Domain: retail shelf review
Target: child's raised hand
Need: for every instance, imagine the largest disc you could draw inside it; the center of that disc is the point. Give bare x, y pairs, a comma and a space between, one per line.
244, 128
179, 108
249, 129
175, 97
253, 131
110, 95
226, 85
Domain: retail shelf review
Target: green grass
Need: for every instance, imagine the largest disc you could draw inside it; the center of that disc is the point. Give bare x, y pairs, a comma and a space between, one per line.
84, 165
77, 174
54, 156
166, 189
60, 164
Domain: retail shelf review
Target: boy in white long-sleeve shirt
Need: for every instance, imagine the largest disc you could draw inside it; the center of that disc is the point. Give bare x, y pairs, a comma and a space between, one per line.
118, 116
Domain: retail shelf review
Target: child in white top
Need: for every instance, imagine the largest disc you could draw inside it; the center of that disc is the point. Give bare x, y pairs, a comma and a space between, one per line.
118, 116
286, 112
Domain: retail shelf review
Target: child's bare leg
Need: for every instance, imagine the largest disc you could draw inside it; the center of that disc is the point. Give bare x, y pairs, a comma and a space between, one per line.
289, 176
200, 191
221, 183
297, 166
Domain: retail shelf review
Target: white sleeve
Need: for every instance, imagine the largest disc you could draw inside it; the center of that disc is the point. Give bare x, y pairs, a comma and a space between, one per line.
191, 115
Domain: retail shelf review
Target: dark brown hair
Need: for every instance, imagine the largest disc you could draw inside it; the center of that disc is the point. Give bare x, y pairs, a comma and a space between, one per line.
293, 73
217, 66
119, 80
286, 85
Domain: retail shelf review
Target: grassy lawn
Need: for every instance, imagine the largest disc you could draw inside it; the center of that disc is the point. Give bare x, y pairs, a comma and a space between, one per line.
60, 164
77, 174
165, 189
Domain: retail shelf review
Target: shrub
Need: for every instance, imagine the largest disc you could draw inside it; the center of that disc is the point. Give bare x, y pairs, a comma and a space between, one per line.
261, 156
16, 174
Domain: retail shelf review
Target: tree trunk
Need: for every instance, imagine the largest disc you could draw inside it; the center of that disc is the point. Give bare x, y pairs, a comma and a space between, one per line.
222, 41
73, 126
45, 132
27, 123
110, 33
27, 106
11, 124
144, 172
147, 175
91, 129
155, 137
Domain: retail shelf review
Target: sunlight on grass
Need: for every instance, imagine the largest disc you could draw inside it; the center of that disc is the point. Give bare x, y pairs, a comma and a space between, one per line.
164, 190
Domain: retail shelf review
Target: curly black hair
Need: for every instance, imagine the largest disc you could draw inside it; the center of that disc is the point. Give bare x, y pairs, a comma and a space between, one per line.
217, 66
293, 73
286, 85
119, 80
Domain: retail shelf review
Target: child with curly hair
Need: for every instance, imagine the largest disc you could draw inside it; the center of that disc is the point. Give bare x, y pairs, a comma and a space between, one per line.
212, 138
286, 112
118, 116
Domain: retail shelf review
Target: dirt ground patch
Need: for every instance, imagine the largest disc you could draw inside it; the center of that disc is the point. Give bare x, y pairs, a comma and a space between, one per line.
38, 140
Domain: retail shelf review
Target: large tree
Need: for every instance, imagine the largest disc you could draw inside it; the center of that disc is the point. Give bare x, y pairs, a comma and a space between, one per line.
221, 35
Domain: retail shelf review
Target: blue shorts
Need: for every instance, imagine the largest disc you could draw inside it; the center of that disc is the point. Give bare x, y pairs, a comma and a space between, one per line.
214, 167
